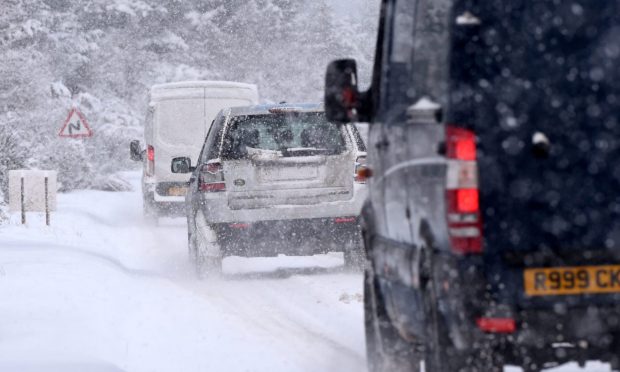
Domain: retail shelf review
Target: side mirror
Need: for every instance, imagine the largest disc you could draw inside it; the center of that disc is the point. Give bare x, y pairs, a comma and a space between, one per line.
135, 150
341, 91
181, 165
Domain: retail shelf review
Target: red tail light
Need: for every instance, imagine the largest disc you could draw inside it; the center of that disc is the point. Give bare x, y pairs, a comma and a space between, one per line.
211, 177
362, 172
466, 201
150, 160
212, 187
497, 325
461, 144
463, 204
344, 219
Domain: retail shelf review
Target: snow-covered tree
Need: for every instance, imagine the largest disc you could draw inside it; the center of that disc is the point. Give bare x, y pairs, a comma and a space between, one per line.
103, 55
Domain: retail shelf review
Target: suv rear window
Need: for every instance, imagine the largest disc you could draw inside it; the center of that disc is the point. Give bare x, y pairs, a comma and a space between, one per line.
289, 134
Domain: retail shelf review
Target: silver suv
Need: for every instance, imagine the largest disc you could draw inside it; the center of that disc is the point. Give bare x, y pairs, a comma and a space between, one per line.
275, 179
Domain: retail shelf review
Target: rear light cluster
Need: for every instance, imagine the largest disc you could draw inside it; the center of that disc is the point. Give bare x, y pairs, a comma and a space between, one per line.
211, 177
463, 204
150, 160
497, 325
344, 219
362, 172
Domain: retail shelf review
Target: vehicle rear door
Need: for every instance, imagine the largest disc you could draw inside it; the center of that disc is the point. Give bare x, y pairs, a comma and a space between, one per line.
284, 161
538, 84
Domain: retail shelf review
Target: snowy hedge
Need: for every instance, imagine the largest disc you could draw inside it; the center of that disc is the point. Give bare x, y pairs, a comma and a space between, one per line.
103, 55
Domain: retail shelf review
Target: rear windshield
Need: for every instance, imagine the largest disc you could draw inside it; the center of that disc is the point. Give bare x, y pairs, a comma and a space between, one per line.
290, 134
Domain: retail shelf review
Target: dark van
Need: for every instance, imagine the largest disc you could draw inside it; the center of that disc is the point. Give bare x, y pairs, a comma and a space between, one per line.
492, 229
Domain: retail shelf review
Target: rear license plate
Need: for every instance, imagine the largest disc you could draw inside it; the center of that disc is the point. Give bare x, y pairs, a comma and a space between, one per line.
288, 173
571, 280
177, 191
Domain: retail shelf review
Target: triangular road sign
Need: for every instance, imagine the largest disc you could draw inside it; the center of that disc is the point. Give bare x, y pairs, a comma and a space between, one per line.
75, 126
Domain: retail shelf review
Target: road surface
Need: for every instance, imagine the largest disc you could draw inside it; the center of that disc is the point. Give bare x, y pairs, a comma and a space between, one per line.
102, 290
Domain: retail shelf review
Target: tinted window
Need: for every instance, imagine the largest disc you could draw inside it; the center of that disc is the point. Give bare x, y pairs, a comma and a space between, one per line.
298, 134
210, 148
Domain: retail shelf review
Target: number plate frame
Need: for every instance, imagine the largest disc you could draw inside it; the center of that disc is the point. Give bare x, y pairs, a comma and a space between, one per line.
177, 191
576, 280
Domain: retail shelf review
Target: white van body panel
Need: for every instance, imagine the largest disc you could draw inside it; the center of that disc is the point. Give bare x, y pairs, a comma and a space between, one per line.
180, 116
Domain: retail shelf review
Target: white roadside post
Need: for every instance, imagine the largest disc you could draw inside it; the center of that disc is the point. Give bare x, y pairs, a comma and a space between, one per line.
32, 191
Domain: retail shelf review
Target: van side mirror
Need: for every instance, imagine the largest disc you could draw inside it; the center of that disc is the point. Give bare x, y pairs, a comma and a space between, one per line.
341, 91
135, 150
181, 165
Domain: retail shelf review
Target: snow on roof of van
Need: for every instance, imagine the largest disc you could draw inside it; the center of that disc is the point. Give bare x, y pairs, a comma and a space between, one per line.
204, 89
202, 84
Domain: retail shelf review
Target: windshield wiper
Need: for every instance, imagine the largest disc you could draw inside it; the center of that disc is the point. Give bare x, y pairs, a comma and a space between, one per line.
301, 151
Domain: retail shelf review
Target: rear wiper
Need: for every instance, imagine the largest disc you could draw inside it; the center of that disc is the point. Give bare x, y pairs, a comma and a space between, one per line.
292, 151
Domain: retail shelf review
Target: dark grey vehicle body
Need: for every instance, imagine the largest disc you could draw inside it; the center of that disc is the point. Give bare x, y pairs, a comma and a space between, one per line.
536, 82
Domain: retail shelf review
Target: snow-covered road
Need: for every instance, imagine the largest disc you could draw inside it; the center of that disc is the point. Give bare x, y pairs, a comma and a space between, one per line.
102, 288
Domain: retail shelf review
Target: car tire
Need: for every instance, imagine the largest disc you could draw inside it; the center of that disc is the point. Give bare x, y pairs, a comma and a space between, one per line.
531, 367
151, 215
615, 359
436, 357
354, 256
207, 266
191, 245
385, 349
441, 355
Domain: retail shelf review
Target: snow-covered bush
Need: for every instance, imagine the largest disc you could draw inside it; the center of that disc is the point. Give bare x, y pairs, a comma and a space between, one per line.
13, 156
102, 56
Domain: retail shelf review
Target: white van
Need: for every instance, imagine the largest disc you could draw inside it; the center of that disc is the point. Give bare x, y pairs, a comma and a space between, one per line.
178, 119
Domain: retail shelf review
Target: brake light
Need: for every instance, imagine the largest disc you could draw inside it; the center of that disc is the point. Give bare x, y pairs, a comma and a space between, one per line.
462, 196
212, 187
461, 144
344, 219
467, 201
211, 177
497, 325
150, 160
362, 172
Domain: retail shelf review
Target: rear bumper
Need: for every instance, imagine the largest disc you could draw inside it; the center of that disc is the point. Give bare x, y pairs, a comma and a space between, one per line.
587, 323
173, 206
216, 210
169, 209
158, 188
544, 336
290, 237
554, 329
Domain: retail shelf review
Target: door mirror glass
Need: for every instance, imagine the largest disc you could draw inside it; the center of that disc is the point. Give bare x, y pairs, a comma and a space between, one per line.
341, 91
135, 150
181, 165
